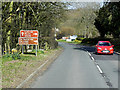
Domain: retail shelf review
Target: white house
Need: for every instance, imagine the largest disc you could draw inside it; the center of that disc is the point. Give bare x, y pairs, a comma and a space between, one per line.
73, 37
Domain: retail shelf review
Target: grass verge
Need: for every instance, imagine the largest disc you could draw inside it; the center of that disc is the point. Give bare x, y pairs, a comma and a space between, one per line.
15, 71
73, 42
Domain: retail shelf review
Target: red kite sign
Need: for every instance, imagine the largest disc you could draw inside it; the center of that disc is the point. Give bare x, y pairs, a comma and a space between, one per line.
28, 33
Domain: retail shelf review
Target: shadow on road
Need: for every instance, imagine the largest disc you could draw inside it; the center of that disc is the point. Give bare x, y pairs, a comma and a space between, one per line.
95, 55
79, 49
86, 48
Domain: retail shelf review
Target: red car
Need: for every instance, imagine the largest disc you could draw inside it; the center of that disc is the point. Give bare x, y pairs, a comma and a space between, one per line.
104, 47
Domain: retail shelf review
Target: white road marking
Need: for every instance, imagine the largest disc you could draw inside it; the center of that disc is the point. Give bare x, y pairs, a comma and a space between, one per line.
99, 69
89, 54
31, 75
93, 59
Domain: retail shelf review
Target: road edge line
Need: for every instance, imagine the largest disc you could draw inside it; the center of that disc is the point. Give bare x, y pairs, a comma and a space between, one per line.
31, 75
98, 67
89, 54
93, 59
100, 70
39, 68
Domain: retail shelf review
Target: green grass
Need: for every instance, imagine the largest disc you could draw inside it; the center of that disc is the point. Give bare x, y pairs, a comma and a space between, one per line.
25, 56
73, 42
60, 40
13, 70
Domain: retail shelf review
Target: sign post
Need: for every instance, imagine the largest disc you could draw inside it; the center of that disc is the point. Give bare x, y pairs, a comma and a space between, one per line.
28, 37
22, 49
36, 50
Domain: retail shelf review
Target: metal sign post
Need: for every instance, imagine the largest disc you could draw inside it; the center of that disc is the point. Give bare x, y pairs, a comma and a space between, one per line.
36, 50
22, 49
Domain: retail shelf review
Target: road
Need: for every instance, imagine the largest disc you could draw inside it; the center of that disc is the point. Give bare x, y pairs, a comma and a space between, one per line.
108, 64
75, 69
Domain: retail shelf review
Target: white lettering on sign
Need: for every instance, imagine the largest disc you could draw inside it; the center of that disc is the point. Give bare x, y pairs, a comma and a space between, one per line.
35, 41
35, 33
22, 33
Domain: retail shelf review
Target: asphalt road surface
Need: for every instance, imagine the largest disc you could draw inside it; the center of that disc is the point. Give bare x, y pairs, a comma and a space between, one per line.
75, 69
108, 64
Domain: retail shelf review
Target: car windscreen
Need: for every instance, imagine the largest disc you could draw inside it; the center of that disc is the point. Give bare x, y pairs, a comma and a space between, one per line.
104, 44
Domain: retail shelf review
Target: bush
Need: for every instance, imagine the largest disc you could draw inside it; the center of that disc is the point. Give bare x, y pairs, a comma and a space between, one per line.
94, 41
48, 43
78, 41
79, 38
13, 56
39, 51
115, 41
16, 56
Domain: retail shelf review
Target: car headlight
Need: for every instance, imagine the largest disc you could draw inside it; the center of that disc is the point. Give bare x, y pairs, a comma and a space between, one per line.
99, 48
111, 48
